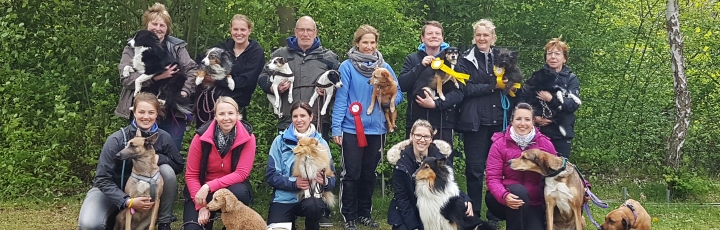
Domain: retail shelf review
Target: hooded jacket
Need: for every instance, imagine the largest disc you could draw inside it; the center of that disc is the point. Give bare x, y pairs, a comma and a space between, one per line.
280, 164
306, 66
217, 175
498, 174
356, 88
403, 209
413, 77
245, 71
567, 81
109, 170
126, 94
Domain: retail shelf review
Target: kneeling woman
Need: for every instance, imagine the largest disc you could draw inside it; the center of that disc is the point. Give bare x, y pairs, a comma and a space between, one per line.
407, 156
221, 155
516, 196
107, 196
285, 206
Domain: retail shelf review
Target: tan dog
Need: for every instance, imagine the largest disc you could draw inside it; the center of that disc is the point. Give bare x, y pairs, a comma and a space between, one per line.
145, 181
436, 85
384, 91
312, 158
235, 215
630, 215
563, 188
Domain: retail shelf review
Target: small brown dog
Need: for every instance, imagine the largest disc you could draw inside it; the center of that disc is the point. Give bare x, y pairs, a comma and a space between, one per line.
436, 85
235, 215
384, 92
312, 158
630, 215
145, 181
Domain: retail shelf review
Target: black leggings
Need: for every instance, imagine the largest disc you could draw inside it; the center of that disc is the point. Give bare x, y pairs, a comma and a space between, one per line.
311, 208
243, 191
524, 218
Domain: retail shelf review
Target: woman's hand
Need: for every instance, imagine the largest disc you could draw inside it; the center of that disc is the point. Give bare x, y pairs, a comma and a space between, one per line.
320, 178
169, 71
498, 86
544, 95
337, 140
302, 184
513, 201
201, 195
542, 121
140, 203
426, 102
469, 211
203, 216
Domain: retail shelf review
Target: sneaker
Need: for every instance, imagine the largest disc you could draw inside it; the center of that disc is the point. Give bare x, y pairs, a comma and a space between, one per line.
494, 224
350, 225
325, 222
164, 226
368, 222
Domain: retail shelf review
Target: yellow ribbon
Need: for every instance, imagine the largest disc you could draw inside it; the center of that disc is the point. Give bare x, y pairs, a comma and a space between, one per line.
500, 72
440, 64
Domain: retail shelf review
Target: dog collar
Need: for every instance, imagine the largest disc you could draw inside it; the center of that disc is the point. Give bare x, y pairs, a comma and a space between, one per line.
564, 164
323, 86
500, 73
633, 211
150, 180
283, 74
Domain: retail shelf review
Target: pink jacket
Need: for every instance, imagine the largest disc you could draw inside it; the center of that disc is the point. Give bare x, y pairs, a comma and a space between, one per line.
219, 174
499, 174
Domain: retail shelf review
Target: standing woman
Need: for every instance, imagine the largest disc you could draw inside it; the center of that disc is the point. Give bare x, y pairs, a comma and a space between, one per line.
226, 141
359, 162
248, 62
157, 19
107, 197
481, 112
556, 54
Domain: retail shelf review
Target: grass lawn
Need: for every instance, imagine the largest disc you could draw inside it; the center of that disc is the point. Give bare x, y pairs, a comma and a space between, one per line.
62, 212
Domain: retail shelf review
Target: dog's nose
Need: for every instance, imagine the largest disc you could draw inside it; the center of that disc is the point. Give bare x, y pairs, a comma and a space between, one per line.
508, 162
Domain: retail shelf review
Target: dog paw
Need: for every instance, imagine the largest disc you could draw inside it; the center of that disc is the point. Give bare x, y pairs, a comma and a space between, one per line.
442, 97
161, 101
127, 70
198, 80
231, 84
290, 100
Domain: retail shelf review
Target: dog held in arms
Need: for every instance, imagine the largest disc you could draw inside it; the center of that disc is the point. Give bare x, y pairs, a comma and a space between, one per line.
630, 215
435, 86
280, 71
546, 80
150, 60
564, 189
438, 198
235, 215
312, 158
384, 92
144, 181
506, 61
218, 64
327, 82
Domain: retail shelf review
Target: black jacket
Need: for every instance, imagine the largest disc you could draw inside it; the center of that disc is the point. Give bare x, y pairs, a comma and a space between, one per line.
481, 104
567, 81
109, 169
413, 77
245, 71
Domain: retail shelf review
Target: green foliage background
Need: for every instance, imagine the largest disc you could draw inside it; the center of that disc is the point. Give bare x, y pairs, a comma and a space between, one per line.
59, 80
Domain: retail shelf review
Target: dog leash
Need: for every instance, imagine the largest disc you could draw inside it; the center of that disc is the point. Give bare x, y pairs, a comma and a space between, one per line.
217, 217
122, 171
505, 103
593, 198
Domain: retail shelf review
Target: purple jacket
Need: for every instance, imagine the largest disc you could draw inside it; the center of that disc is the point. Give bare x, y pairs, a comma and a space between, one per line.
499, 174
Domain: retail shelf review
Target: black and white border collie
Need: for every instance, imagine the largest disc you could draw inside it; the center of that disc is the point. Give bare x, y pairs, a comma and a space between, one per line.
217, 63
327, 82
439, 196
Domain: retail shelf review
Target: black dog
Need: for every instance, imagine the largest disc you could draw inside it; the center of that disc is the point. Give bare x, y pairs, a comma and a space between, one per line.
507, 60
150, 60
546, 80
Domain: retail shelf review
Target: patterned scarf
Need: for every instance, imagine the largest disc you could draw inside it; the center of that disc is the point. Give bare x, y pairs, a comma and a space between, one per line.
223, 141
309, 132
363, 63
523, 140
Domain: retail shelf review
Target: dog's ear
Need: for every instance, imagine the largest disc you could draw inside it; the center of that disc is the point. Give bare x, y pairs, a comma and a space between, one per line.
626, 223
151, 139
441, 161
138, 133
386, 74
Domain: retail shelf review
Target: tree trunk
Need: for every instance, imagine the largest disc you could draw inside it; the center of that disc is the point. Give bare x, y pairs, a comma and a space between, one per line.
287, 23
682, 94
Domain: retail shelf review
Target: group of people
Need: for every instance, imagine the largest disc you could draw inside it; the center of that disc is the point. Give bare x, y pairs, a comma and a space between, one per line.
478, 109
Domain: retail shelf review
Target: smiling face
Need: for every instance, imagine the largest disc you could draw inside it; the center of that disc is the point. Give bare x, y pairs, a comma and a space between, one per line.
421, 139
432, 37
301, 119
159, 27
145, 115
367, 44
240, 31
484, 38
522, 121
226, 115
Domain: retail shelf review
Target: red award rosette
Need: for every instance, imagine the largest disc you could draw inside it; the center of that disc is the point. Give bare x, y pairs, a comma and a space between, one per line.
355, 110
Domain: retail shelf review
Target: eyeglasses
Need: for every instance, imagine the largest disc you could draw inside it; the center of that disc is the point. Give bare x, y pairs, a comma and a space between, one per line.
421, 137
305, 30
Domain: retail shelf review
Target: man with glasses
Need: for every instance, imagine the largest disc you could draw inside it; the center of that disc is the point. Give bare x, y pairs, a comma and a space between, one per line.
307, 60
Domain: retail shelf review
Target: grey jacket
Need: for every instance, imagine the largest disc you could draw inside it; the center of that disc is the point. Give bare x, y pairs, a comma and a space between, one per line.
306, 68
126, 94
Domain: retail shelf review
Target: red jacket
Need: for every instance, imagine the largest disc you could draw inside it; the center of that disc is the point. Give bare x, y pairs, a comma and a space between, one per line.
499, 174
219, 174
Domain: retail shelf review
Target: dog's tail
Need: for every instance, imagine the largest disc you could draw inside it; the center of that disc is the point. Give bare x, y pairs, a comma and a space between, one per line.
329, 199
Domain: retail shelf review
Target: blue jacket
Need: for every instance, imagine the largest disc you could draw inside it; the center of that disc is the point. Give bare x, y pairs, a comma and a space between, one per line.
280, 164
356, 88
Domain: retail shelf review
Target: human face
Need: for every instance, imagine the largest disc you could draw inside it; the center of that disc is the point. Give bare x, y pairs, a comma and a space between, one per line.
301, 119
306, 33
158, 27
226, 116
432, 37
421, 139
240, 31
555, 58
484, 38
145, 115
367, 44
522, 122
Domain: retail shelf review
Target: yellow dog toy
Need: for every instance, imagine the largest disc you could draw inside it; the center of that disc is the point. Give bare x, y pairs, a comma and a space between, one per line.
499, 72
440, 64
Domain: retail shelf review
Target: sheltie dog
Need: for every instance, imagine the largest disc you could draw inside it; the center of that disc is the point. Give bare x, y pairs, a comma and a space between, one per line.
218, 64
312, 158
438, 198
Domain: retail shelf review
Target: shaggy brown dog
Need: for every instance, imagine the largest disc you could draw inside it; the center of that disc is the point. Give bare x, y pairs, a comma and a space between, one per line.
312, 158
384, 91
235, 215
630, 215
